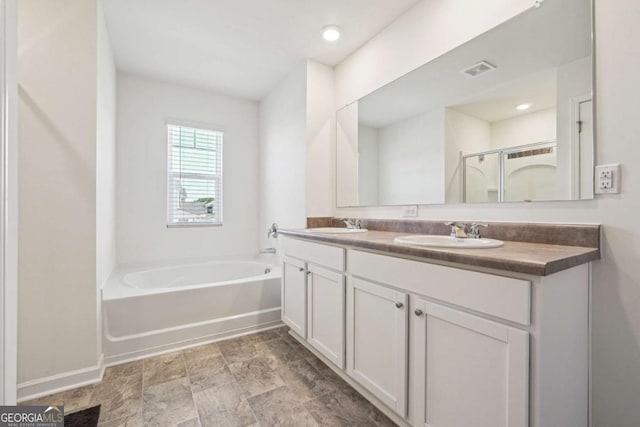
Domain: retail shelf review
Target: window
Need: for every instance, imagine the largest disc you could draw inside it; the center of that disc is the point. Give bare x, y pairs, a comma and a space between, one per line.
194, 176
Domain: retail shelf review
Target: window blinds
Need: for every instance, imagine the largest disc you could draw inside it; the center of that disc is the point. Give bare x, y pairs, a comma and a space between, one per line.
194, 178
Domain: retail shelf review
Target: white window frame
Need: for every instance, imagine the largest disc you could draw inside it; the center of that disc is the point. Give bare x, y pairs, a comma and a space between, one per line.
219, 178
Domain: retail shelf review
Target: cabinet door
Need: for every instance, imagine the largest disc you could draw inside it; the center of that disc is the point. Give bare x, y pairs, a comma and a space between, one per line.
294, 295
325, 313
377, 341
471, 371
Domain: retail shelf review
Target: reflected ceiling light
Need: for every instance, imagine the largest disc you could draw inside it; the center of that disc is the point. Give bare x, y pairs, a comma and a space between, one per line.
523, 107
331, 33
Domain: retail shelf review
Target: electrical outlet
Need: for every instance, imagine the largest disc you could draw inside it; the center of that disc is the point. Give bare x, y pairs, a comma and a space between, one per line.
606, 174
608, 179
410, 211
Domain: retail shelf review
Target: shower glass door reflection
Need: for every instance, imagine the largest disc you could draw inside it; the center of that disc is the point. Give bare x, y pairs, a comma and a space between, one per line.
481, 178
529, 174
515, 174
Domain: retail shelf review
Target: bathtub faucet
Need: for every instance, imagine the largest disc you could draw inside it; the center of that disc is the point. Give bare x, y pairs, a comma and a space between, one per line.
268, 251
273, 231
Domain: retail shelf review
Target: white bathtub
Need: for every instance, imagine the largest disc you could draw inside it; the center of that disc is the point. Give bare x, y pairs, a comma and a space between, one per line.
155, 309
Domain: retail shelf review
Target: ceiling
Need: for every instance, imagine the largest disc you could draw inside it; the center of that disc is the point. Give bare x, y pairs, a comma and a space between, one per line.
497, 103
526, 50
238, 47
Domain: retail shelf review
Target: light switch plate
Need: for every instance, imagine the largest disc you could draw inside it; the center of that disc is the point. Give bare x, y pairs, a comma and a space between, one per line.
410, 211
608, 179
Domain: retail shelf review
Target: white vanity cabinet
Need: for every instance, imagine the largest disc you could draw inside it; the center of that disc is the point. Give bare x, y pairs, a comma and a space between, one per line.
325, 318
377, 344
436, 345
469, 371
294, 295
316, 305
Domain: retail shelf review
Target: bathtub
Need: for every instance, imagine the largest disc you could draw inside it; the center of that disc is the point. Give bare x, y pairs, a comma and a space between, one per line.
154, 309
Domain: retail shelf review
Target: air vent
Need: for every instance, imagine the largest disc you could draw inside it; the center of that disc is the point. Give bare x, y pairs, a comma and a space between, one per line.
479, 69
529, 153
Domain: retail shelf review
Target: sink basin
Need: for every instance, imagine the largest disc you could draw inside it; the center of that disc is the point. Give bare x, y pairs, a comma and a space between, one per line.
336, 230
448, 242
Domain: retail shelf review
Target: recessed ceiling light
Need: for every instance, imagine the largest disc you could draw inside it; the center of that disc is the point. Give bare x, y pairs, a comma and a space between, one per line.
331, 33
523, 107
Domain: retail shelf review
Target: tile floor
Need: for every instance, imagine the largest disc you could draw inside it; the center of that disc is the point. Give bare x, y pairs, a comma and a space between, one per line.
263, 379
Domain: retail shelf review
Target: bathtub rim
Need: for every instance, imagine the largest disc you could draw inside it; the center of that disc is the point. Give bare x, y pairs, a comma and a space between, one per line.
115, 288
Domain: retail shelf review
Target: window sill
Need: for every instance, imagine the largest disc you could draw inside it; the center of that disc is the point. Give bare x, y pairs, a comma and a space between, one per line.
196, 224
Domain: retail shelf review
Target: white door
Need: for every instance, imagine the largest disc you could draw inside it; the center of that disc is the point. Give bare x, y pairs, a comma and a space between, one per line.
469, 371
325, 313
377, 342
294, 295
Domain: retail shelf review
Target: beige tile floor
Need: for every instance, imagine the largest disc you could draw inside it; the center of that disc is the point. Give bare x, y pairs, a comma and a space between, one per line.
263, 379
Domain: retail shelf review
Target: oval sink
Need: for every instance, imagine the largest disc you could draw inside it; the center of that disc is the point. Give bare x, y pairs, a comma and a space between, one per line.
448, 242
336, 230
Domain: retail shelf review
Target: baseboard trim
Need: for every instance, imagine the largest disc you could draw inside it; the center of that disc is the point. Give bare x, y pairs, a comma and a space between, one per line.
41, 387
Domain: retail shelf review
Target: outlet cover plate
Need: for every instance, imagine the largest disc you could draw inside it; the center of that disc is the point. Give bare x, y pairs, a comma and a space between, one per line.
608, 179
410, 211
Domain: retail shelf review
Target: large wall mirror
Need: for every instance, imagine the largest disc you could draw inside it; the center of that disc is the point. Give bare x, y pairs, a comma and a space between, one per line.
508, 116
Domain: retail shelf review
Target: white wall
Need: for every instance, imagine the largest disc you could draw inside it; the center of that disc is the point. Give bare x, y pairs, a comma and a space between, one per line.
347, 156
57, 321
282, 154
143, 107
9, 250
105, 156
539, 126
411, 160
368, 158
463, 134
105, 165
320, 138
616, 278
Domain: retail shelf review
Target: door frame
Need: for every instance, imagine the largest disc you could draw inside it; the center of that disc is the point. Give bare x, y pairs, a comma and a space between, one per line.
8, 202
576, 157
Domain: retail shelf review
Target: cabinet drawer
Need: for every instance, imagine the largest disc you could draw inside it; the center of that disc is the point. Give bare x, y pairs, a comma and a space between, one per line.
498, 296
315, 253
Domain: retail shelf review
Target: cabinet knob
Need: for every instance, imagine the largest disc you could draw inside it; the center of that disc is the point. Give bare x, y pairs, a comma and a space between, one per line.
301, 269
308, 272
418, 312
399, 304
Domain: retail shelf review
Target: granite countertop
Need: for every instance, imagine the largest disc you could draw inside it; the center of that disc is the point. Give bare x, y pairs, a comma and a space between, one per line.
539, 259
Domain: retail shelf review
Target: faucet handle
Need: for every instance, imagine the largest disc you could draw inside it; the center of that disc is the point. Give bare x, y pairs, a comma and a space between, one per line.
272, 231
348, 222
474, 229
455, 224
458, 229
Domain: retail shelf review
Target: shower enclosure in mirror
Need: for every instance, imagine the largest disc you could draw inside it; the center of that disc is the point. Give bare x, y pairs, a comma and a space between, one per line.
505, 117
524, 173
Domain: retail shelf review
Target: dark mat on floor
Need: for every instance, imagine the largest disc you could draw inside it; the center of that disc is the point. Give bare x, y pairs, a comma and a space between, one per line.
86, 418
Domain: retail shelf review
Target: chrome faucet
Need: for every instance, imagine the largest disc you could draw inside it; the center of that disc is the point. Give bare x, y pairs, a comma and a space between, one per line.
353, 223
474, 230
458, 229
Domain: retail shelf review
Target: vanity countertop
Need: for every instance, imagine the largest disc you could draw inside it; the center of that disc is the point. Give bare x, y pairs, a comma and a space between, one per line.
538, 259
